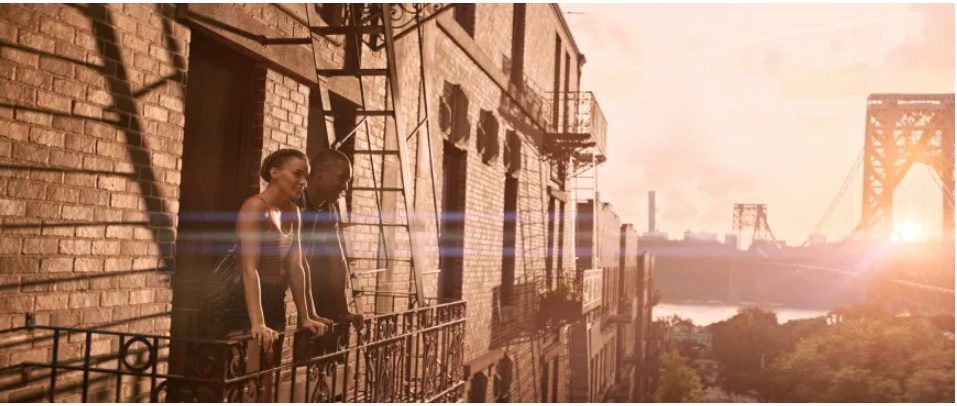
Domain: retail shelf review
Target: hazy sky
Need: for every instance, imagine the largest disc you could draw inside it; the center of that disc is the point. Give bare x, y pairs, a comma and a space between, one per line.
716, 104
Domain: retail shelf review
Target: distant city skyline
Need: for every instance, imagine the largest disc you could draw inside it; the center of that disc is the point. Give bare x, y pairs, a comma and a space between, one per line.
712, 105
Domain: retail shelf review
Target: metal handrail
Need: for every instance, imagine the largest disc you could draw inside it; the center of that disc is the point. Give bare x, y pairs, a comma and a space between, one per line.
414, 355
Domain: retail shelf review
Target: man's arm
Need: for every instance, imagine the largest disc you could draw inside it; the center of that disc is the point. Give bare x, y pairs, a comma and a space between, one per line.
343, 272
306, 311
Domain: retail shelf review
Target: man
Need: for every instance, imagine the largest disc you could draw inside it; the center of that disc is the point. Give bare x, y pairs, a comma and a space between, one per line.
326, 267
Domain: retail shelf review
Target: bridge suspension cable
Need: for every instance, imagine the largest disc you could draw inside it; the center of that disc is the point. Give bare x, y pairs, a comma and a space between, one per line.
948, 192
840, 193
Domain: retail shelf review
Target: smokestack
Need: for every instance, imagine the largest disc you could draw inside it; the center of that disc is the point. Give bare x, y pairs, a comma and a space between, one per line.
651, 212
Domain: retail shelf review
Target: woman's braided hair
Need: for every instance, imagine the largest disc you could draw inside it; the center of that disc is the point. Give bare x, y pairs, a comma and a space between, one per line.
277, 160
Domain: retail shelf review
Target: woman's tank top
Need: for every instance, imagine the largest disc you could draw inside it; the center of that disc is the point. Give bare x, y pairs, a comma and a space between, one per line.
274, 249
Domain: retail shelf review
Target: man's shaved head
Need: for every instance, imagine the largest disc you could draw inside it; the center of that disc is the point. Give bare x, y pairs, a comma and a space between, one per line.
330, 176
320, 160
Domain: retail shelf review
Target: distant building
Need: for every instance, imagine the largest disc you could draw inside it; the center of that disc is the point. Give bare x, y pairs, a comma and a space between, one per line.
731, 239
700, 236
609, 353
654, 235
688, 333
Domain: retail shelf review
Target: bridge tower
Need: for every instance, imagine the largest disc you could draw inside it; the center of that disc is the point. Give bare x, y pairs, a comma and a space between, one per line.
901, 130
754, 217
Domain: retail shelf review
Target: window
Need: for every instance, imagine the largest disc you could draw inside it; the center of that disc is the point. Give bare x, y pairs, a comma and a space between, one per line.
452, 238
568, 103
342, 114
465, 16
332, 14
550, 241
561, 237
518, 42
557, 74
487, 136
508, 237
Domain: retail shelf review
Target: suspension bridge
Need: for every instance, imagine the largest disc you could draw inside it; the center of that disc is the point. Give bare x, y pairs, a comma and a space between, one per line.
890, 226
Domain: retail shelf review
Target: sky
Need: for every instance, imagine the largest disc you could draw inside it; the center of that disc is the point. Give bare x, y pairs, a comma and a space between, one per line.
711, 105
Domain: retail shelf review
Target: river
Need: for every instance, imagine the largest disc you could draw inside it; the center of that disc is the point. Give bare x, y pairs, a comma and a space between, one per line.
703, 314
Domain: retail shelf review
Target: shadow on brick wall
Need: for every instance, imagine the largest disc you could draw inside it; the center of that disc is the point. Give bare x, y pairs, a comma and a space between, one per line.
516, 318
29, 382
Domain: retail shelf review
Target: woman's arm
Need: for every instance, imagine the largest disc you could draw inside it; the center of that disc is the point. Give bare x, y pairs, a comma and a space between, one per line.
299, 283
249, 230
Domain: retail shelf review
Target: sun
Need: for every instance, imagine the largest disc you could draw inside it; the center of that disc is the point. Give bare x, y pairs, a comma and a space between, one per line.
908, 231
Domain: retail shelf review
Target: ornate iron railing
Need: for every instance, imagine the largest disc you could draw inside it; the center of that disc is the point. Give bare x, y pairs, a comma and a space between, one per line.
591, 288
411, 356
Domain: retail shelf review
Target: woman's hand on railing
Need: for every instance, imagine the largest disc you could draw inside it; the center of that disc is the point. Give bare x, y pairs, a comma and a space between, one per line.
266, 334
324, 320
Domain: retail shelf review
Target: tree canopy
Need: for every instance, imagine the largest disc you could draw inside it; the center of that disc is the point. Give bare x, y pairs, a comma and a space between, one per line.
868, 360
859, 354
677, 380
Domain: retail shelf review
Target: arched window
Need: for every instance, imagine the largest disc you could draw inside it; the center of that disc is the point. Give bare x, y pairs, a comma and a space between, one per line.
487, 136
512, 158
454, 114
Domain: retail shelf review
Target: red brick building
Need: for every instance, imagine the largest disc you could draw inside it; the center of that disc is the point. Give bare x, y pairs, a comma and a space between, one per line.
131, 131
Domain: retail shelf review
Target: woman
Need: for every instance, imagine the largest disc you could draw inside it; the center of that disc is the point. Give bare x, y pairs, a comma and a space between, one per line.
268, 226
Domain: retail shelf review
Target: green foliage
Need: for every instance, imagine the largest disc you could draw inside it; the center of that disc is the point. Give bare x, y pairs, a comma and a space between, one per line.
857, 354
867, 358
677, 380
689, 350
931, 385
744, 347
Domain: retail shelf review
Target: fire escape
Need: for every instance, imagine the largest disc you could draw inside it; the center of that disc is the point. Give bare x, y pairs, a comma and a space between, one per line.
576, 136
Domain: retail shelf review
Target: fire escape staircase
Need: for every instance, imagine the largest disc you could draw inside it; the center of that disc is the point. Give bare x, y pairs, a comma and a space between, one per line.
373, 25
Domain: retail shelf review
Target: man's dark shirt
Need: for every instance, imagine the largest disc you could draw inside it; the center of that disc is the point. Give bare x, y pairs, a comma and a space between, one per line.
325, 261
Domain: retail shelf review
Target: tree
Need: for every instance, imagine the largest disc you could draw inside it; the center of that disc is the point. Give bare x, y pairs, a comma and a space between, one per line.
868, 359
930, 385
933, 381
677, 380
744, 346
688, 349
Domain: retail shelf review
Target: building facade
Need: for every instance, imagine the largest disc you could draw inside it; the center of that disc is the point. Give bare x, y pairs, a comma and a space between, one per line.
613, 357
131, 131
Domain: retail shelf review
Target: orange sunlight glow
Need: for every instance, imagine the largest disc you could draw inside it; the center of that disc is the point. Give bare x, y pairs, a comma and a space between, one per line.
908, 231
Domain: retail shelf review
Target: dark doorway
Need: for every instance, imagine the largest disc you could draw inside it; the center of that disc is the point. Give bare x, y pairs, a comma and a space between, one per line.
221, 154
452, 238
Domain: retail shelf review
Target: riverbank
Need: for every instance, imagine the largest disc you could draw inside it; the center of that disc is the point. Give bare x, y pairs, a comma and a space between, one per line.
705, 313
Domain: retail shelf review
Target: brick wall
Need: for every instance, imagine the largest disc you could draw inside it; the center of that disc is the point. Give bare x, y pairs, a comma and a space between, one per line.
91, 104
484, 201
91, 166
284, 111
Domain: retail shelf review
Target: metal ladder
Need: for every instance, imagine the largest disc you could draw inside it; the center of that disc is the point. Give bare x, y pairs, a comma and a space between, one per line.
372, 26
532, 214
